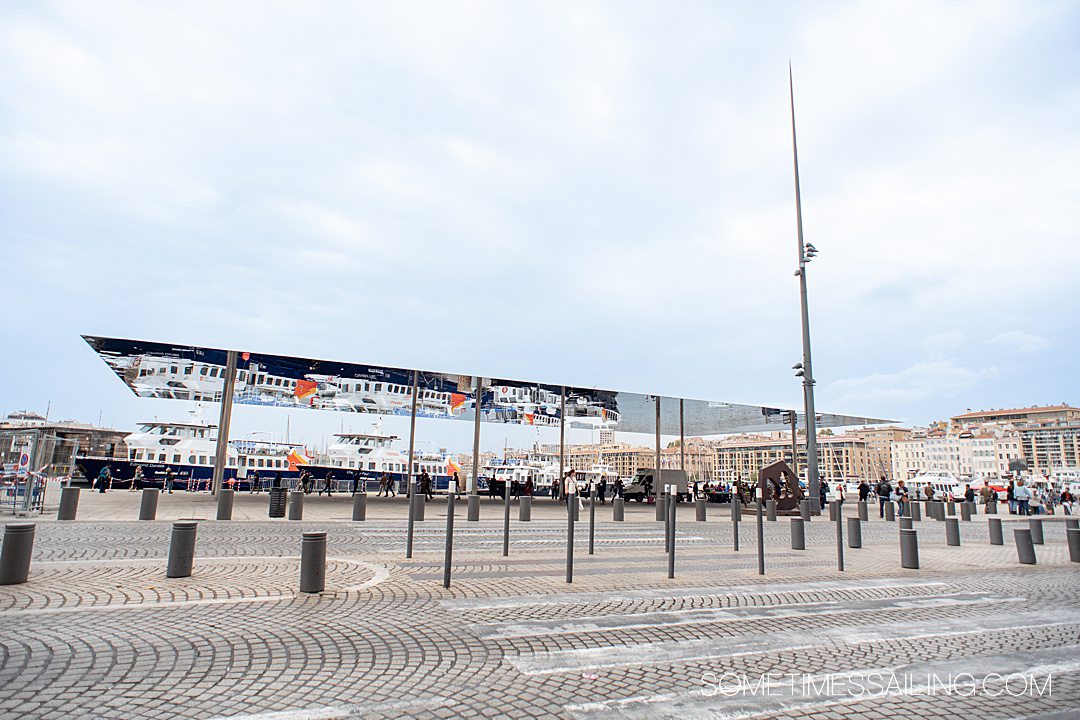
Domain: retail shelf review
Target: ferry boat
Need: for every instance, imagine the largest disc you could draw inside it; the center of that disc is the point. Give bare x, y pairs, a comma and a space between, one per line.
945, 486
188, 448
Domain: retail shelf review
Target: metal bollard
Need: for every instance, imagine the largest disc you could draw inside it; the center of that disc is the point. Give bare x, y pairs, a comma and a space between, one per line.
832, 510
909, 549
996, 536
991, 509
573, 508
15, 555
864, 511
448, 551
313, 562
296, 505
890, 512
905, 523
699, 510
148, 504
592, 520
965, 511
804, 510
1073, 537
182, 549
69, 503
952, 532
854, 533
225, 504
736, 516
672, 515
798, 534
618, 509
1036, 530
770, 510
359, 506
916, 511
839, 513
506, 518
421, 505
571, 515
1025, 548
474, 508
661, 507
736, 511
760, 540
525, 508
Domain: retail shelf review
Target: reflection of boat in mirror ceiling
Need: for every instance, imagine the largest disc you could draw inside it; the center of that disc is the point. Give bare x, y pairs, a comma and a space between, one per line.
185, 372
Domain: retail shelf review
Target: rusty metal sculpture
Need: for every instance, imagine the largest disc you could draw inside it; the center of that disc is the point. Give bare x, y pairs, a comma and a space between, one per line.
777, 482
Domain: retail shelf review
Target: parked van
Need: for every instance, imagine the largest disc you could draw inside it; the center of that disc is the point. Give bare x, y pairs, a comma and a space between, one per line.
644, 486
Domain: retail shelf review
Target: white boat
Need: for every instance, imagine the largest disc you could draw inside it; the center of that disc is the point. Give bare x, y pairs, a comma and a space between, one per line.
945, 485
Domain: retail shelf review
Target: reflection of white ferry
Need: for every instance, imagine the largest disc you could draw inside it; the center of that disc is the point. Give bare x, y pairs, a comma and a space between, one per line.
534, 405
495, 476
595, 475
371, 455
188, 379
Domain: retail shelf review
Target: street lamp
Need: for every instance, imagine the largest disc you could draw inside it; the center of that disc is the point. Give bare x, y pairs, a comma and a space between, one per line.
806, 253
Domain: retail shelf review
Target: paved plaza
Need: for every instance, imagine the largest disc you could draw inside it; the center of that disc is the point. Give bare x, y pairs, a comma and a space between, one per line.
100, 632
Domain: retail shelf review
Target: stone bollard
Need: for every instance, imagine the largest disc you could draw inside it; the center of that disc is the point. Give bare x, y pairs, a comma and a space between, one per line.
15, 555
965, 511
661, 507
1025, 548
832, 511
770, 510
618, 509
225, 504
950, 508
69, 503
905, 523
804, 510
525, 509
864, 511
890, 512
699, 510
991, 509
952, 532
939, 511
296, 505
909, 549
313, 562
1036, 526
1072, 524
916, 511
798, 534
1073, 537
148, 504
474, 508
359, 506
421, 505
182, 549
854, 533
996, 536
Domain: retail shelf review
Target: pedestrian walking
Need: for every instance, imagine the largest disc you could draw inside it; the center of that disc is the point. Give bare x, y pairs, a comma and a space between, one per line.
884, 494
136, 479
1022, 495
328, 484
1010, 495
902, 499
864, 490
170, 480
425, 485
601, 491
256, 483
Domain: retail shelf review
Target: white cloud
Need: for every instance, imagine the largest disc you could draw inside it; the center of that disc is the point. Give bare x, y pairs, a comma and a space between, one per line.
940, 379
1020, 342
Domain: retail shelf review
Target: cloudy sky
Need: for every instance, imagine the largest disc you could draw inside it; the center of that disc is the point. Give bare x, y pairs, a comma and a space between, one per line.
596, 194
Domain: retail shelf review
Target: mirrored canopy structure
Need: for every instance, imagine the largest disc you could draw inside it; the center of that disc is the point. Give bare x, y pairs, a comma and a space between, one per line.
187, 372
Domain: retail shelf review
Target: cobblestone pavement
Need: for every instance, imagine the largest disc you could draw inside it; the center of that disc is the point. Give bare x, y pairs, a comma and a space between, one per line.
100, 632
